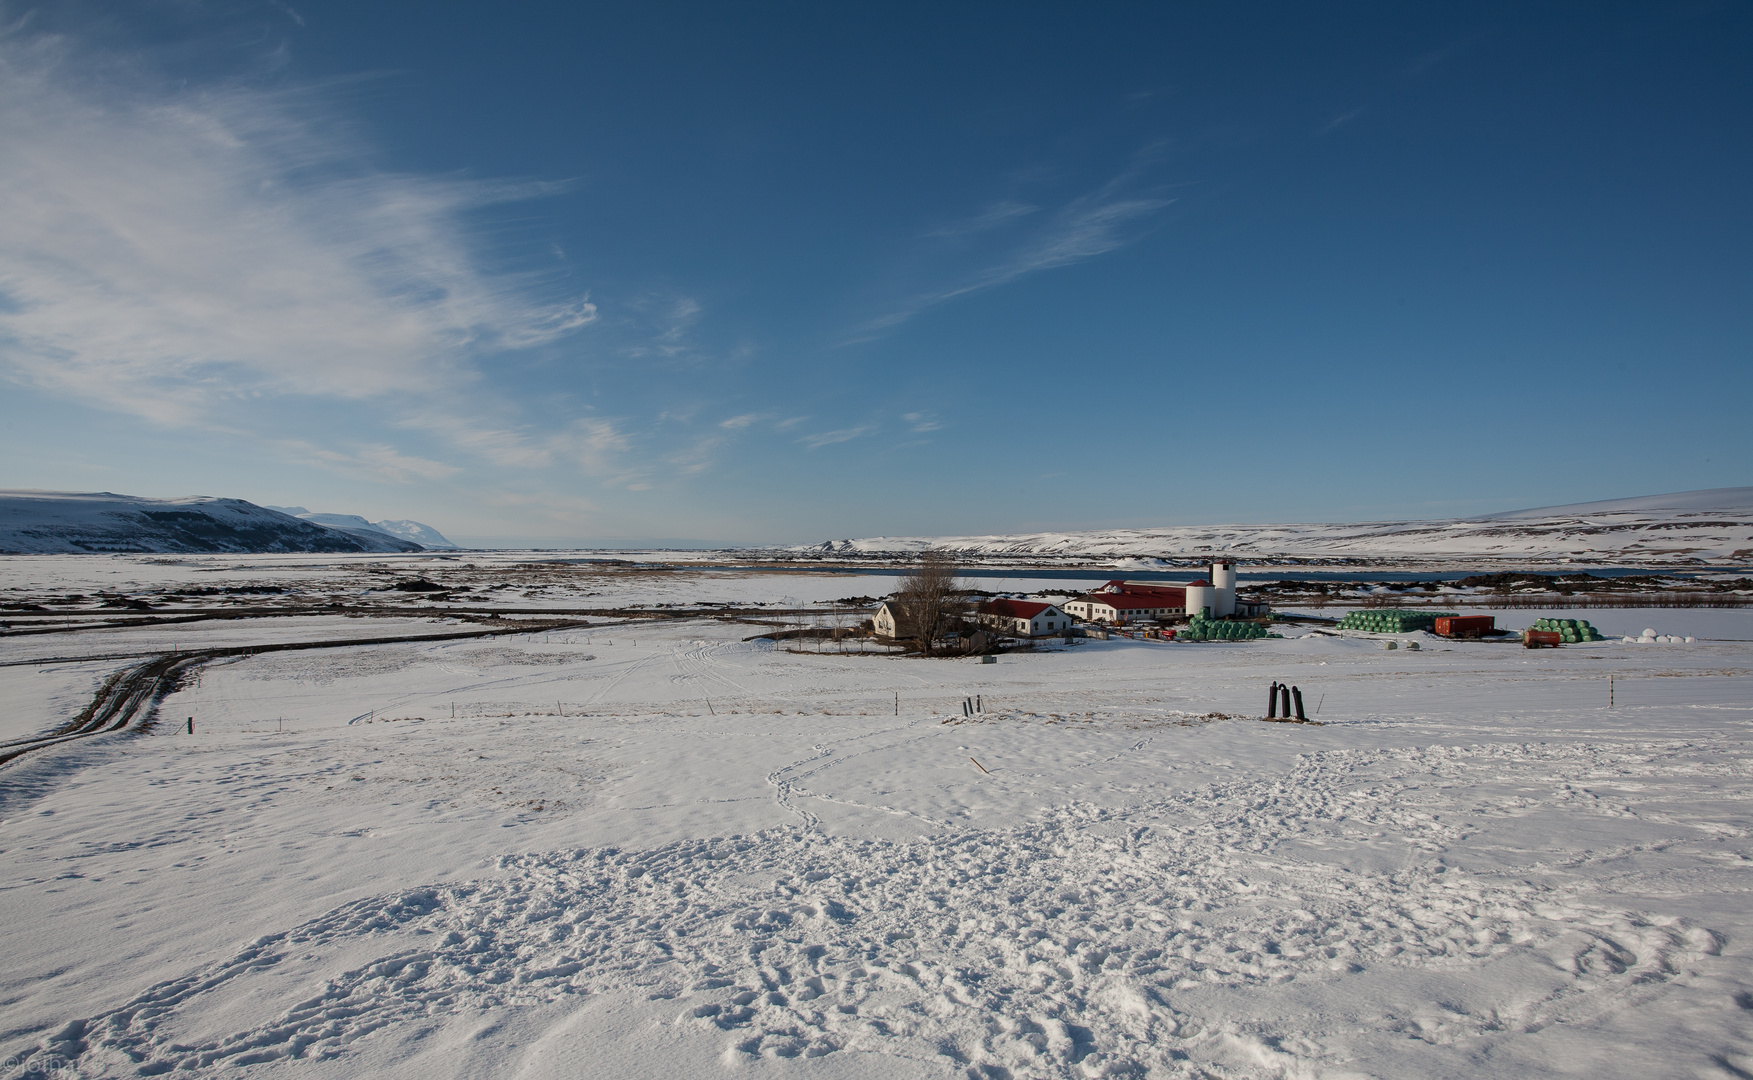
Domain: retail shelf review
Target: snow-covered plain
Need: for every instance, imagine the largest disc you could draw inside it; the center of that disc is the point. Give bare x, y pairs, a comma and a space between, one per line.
656, 849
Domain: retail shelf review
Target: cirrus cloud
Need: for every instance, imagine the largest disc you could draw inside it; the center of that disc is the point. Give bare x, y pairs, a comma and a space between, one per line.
165, 251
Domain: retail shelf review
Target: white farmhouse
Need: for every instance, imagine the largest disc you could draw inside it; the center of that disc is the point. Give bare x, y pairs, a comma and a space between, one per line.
1030, 618
891, 622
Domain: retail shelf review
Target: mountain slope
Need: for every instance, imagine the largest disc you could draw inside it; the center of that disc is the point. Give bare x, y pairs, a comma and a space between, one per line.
1711, 526
43, 522
424, 535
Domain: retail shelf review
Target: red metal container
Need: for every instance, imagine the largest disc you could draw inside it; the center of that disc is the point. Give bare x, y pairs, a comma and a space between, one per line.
1465, 625
1535, 639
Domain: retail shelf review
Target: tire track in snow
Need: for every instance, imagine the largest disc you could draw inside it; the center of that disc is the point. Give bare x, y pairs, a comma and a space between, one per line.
621, 676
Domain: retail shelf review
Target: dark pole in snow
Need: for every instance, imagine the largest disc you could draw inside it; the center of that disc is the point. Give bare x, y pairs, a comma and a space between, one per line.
1284, 699
1272, 702
191, 725
1298, 694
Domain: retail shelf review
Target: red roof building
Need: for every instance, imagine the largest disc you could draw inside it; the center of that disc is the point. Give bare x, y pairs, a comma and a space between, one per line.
1130, 601
1129, 606
1030, 618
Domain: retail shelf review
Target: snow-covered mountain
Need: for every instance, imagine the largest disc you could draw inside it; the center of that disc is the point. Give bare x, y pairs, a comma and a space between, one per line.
1712, 526
424, 535
43, 522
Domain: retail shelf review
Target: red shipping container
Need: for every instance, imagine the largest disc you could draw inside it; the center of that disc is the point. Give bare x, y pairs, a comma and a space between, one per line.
1465, 625
1534, 639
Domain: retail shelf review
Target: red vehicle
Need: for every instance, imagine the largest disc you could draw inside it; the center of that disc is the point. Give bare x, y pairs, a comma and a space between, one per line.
1465, 625
1539, 639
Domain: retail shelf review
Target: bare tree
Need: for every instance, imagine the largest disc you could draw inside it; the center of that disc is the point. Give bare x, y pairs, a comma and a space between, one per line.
930, 599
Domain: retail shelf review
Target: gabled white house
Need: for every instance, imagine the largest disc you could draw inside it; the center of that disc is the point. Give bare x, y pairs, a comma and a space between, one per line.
891, 622
1028, 618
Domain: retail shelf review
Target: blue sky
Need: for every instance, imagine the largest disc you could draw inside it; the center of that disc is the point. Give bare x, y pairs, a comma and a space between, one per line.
789, 272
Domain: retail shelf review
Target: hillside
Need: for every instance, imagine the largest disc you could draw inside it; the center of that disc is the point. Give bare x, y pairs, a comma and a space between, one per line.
45, 522
1694, 527
418, 532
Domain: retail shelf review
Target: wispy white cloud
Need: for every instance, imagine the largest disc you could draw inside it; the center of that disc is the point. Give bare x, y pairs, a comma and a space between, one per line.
920, 422
1084, 228
551, 505
827, 438
742, 421
1338, 121
594, 446
996, 216
165, 252
697, 456
669, 321
368, 462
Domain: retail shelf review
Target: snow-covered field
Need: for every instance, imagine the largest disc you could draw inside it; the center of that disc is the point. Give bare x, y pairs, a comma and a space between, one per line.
1714, 526
654, 849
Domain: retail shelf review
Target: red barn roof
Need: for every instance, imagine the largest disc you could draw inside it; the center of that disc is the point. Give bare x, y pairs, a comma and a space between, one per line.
1013, 609
1173, 593
1132, 602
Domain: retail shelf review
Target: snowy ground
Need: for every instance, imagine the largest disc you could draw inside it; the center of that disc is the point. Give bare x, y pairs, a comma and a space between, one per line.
655, 849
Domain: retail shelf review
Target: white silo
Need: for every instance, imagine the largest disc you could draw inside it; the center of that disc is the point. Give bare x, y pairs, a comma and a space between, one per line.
1223, 581
1201, 597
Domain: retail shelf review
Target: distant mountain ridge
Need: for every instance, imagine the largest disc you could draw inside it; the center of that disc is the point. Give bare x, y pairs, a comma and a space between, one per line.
424, 535
51, 522
1688, 527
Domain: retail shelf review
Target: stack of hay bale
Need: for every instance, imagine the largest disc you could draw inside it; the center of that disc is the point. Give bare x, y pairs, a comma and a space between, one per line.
1574, 630
1392, 620
1200, 628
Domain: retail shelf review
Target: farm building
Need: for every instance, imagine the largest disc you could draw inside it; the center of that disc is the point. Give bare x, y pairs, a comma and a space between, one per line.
1123, 607
1138, 601
1030, 618
891, 622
